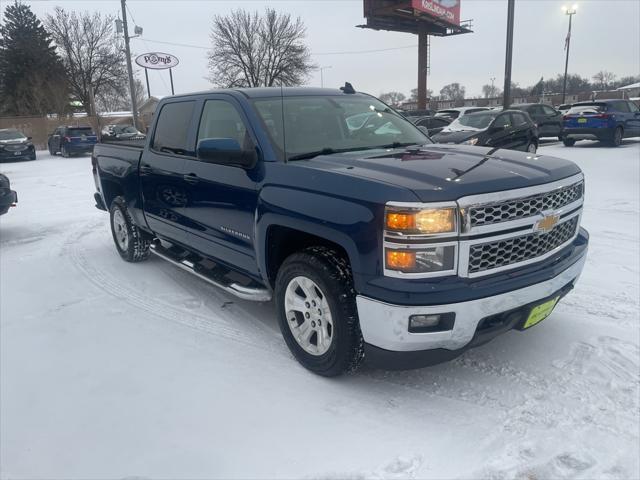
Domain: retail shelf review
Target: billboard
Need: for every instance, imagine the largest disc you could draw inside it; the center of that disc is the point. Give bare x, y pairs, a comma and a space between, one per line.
447, 10
157, 60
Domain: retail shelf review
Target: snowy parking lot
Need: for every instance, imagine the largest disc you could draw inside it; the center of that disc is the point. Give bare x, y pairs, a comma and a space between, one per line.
114, 370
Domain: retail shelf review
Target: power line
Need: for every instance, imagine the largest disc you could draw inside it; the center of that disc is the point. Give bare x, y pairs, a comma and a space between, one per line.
351, 52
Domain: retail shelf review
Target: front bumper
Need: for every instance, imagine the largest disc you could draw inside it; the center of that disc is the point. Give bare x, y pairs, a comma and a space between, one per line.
389, 344
16, 155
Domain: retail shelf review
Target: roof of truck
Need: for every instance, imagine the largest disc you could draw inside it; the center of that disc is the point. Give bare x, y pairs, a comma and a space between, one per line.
266, 92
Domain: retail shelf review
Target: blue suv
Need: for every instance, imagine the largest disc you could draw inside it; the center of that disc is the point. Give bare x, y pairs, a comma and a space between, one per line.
606, 120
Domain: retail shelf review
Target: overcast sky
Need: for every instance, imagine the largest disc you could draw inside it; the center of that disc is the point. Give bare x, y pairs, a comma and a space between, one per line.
606, 36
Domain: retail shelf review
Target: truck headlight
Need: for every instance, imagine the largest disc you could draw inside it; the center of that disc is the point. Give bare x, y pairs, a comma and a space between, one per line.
423, 260
431, 221
471, 141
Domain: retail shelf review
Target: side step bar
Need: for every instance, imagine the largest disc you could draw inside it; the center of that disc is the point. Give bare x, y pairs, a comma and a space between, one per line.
254, 293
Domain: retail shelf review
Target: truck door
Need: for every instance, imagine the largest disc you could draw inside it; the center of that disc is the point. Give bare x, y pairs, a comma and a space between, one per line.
223, 198
162, 169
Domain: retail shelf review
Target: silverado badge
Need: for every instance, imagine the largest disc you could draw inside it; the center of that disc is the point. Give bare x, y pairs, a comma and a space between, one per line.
546, 223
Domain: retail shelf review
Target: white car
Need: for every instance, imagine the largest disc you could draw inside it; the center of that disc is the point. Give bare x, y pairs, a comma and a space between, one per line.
454, 113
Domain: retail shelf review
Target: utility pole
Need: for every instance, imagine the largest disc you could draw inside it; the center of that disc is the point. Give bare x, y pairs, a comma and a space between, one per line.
321, 76
506, 99
134, 107
423, 62
571, 12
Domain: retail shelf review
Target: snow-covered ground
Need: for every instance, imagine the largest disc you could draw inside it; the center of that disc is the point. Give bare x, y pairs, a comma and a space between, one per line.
113, 370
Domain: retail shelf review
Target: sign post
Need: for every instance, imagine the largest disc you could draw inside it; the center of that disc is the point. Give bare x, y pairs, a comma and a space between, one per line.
157, 61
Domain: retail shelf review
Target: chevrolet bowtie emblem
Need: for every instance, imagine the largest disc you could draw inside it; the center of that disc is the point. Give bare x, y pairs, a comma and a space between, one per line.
547, 223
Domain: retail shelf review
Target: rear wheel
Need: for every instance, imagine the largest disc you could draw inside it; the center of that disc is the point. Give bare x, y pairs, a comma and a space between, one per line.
532, 147
569, 142
317, 311
616, 140
132, 244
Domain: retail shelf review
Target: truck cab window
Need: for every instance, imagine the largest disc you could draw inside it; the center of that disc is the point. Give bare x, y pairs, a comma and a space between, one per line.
220, 119
172, 129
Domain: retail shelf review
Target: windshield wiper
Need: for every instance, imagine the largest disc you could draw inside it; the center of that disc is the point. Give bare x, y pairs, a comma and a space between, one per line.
395, 145
304, 156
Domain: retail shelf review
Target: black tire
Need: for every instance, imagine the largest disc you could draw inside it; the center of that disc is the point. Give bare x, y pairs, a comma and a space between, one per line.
51, 152
616, 138
332, 274
137, 245
569, 142
32, 157
532, 147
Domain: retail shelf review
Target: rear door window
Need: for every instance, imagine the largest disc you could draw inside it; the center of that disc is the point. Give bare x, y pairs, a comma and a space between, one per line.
621, 106
548, 110
519, 119
172, 129
633, 107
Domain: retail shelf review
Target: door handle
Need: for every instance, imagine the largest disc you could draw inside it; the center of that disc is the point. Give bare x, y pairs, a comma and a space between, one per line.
145, 170
191, 178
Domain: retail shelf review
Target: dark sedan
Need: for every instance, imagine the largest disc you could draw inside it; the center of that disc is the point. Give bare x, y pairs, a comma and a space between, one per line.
8, 198
548, 119
510, 129
14, 145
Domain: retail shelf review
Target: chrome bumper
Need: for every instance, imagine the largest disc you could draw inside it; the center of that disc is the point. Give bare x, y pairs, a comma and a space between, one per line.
386, 326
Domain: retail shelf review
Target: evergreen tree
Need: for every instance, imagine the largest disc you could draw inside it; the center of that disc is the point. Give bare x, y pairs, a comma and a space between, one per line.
32, 79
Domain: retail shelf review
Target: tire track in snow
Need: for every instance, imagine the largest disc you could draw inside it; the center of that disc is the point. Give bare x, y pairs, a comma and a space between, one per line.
220, 323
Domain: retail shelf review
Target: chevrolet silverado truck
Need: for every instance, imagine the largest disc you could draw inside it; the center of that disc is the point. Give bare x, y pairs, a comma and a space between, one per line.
376, 244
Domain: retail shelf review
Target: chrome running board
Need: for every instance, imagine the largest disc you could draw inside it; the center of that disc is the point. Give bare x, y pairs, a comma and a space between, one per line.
254, 293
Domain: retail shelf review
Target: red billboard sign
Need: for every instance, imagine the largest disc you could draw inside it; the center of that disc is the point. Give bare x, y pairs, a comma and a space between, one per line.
447, 10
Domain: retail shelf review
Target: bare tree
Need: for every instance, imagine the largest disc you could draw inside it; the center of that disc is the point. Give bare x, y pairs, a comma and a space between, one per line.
90, 51
252, 50
392, 98
604, 80
491, 91
117, 100
414, 94
453, 91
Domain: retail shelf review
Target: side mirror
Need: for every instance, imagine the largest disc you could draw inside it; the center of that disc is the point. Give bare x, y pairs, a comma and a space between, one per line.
29, 138
226, 151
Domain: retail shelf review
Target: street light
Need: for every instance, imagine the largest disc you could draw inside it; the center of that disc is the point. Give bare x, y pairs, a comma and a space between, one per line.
321, 76
571, 11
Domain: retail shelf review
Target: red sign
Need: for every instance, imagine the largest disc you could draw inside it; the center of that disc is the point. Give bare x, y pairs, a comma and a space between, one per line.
447, 10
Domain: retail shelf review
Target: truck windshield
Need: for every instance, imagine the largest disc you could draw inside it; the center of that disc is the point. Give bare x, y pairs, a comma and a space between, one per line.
313, 125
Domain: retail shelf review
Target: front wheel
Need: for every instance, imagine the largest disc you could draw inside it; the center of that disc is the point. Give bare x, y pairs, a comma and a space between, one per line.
569, 142
317, 311
532, 147
131, 243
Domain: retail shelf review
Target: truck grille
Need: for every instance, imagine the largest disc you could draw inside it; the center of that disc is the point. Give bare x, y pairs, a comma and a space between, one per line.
487, 256
524, 207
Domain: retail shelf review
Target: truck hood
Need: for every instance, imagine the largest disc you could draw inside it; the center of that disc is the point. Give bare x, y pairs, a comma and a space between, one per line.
448, 172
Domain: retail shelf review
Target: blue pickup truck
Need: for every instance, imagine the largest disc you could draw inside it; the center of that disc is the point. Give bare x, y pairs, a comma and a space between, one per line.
375, 243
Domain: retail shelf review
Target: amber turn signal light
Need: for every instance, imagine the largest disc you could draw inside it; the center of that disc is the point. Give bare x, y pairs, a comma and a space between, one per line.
401, 260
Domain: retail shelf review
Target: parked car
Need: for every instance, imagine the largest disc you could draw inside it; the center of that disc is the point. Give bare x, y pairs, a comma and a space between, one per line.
413, 114
376, 244
72, 140
8, 198
606, 120
433, 125
454, 113
564, 108
548, 119
121, 132
15, 145
510, 129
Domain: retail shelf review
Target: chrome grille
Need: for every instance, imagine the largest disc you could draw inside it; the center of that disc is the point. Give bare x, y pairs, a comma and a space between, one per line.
524, 207
487, 256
